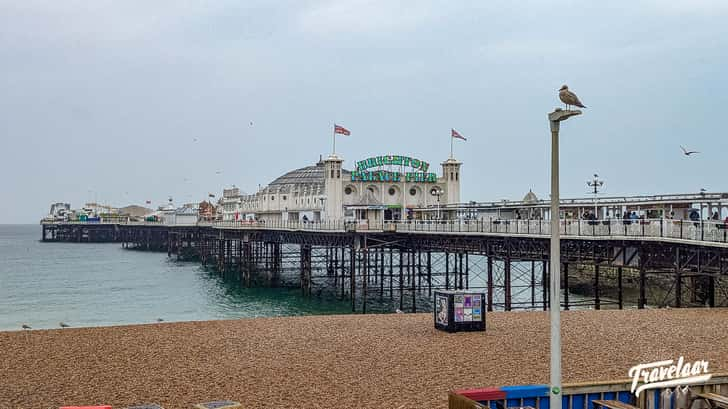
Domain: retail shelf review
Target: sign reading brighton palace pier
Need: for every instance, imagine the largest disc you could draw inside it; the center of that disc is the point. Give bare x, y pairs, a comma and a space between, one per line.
419, 167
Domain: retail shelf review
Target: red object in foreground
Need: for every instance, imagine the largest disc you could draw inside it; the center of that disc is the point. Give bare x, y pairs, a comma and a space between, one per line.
341, 130
482, 394
86, 407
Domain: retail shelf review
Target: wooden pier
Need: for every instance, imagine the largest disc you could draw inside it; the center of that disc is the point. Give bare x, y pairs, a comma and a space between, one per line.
400, 265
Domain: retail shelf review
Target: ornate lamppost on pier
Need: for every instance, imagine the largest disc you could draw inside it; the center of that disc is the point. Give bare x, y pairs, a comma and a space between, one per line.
437, 191
555, 119
595, 184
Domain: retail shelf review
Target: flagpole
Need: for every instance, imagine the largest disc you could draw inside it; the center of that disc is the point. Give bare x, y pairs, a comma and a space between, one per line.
333, 151
451, 139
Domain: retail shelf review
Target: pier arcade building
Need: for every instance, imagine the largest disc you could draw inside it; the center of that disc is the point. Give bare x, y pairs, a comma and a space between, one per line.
387, 187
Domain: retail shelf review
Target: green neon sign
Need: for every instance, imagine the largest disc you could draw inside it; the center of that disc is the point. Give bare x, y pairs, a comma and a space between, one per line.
420, 167
392, 160
388, 176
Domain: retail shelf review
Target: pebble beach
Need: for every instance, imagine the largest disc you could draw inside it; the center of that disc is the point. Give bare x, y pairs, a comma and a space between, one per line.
339, 361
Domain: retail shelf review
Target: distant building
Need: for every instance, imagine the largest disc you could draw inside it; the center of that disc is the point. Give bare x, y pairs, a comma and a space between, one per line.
97, 210
60, 211
186, 216
134, 212
231, 204
207, 211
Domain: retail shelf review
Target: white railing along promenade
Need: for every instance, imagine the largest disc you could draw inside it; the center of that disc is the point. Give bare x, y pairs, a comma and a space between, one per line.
694, 231
702, 231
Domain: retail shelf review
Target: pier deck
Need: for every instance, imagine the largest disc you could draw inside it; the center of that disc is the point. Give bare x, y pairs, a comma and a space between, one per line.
362, 361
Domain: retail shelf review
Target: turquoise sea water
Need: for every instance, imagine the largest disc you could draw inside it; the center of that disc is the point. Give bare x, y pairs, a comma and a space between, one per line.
87, 284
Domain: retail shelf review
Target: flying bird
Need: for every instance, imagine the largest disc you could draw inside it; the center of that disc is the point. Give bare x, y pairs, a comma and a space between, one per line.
194, 139
218, 172
251, 123
63, 325
569, 98
26, 326
687, 152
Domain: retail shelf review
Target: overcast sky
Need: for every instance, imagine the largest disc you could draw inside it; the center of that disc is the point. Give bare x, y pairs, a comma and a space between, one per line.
126, 101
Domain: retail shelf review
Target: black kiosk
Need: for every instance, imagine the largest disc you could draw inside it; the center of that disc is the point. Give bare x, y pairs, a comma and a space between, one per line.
459, 311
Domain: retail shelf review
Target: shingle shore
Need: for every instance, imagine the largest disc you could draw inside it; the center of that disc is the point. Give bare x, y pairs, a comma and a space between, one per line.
344, 361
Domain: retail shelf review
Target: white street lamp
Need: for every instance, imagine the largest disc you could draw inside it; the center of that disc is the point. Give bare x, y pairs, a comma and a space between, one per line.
555, 119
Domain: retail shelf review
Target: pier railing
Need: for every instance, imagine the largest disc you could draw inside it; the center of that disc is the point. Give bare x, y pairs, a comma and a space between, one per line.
668, 229
704, 231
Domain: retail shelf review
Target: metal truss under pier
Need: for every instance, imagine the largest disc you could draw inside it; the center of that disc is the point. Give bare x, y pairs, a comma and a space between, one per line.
379, 270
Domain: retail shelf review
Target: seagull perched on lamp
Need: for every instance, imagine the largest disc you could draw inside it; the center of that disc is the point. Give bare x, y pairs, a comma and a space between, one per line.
569, 98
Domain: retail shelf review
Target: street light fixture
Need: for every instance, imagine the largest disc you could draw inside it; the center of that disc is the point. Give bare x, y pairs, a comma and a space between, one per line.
437, 192
596, 184
555, 119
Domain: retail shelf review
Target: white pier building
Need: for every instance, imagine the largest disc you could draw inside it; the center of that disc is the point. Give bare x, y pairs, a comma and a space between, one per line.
380, 188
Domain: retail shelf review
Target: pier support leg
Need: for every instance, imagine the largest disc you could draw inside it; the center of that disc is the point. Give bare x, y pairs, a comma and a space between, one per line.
447, 270
507, 282
490, 283
643, 297
597, 301
352, 278
365, 278
413, 283
381, 273
467, 272
460, 269
247, 261
545, 284
620, 292
533, 284
343, 270
306, 269
391, 273
566, 286
429, 274
401, 282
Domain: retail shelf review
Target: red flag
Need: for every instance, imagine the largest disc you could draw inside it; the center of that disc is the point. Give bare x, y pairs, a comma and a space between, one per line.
455, 134
341, 130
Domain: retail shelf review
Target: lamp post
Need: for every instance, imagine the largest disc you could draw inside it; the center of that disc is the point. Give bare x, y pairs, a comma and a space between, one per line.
555, 119
596, 184
437, 192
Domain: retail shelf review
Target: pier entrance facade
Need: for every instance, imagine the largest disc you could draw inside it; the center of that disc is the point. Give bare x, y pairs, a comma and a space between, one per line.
380, 188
